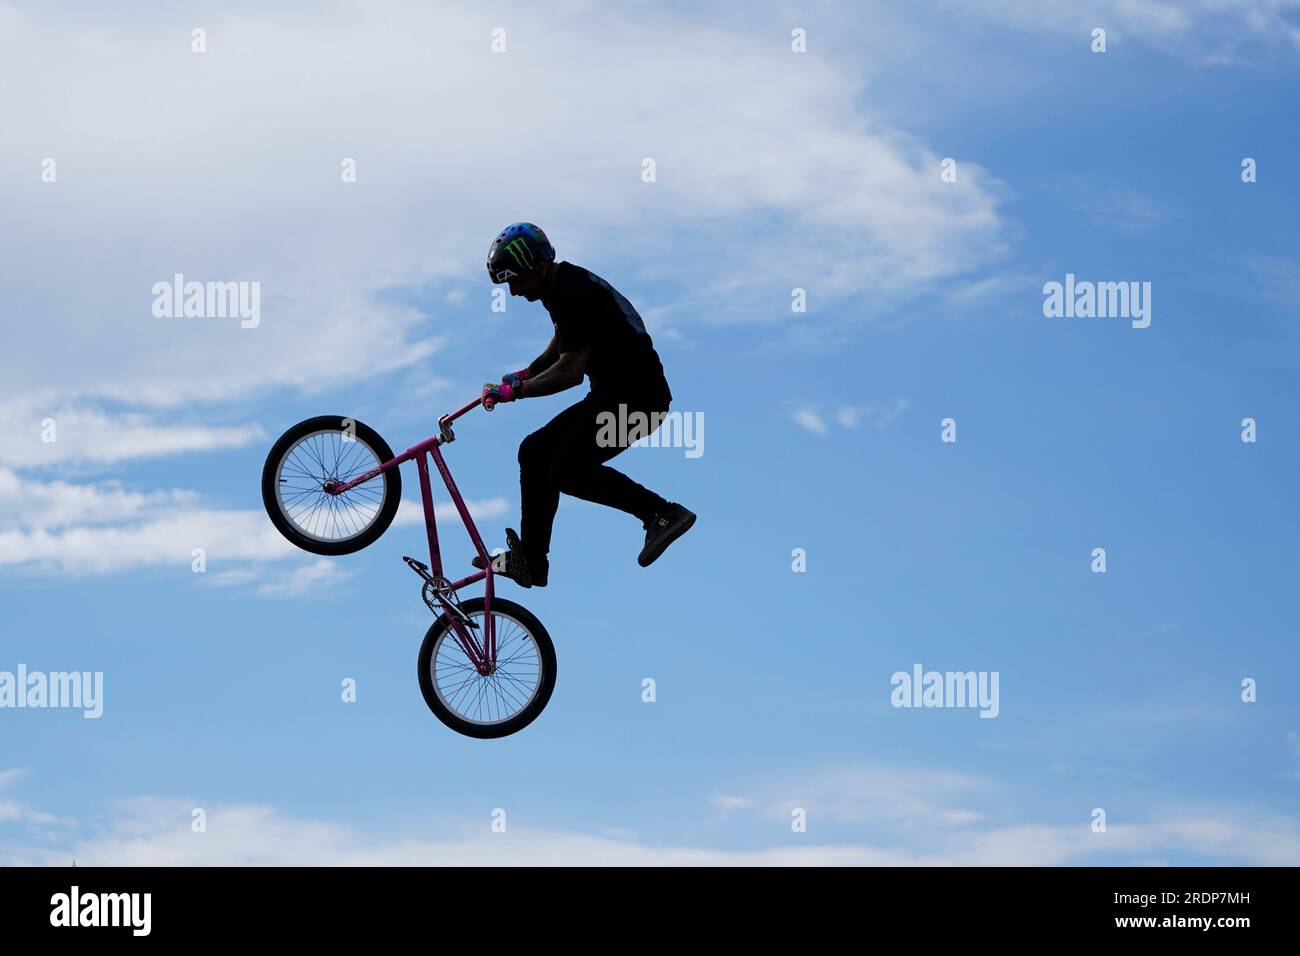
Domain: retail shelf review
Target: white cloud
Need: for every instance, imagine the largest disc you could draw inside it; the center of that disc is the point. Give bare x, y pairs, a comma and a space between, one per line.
156, 832
55, 504
741, 129
162, 541
882, 415
62, 526
169, 539
809, 420
85, 433
727, 803
235, 577
13, 811
411, 512
319, 575
916, 817
269, 580
890, 795
978, 293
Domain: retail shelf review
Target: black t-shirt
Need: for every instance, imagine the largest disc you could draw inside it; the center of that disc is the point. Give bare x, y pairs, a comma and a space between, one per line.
588, 312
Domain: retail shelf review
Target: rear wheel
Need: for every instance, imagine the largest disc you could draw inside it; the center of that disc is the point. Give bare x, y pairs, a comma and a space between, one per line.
504, 702
325, 449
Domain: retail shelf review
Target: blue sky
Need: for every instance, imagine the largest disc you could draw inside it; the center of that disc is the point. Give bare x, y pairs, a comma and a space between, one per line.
775, 171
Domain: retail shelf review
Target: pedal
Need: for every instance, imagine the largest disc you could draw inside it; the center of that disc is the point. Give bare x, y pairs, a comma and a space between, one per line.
418, 567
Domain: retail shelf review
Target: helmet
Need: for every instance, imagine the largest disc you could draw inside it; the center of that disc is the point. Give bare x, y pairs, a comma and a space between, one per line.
520, 247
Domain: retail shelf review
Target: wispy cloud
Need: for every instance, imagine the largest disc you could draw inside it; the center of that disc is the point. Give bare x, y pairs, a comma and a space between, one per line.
14, 811
411, 512
730, 803
1128, 211
813, 419
317, 576
1277, 279
810, 420
876, 794
154, 831
1210, 32
882, 416
42, 431
166, 540
278, 581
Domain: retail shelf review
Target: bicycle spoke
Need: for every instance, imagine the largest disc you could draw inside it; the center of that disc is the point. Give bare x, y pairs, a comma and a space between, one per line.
304, 470
503, 694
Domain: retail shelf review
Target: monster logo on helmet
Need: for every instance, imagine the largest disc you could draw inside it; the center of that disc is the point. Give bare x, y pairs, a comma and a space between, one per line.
519, 247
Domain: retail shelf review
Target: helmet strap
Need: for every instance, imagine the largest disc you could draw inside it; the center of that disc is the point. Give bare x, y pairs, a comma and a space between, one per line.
548, 272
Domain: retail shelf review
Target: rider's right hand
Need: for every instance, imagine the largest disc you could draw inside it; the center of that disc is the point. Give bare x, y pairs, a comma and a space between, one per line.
493, 395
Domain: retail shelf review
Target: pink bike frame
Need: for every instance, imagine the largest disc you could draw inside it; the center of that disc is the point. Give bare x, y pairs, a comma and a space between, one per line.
484, 658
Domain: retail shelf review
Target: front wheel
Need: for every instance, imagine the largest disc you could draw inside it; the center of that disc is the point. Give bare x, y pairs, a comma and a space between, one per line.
312, 454
510, 698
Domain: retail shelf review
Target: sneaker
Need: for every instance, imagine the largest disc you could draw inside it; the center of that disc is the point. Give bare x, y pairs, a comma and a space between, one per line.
662, 530
514, 565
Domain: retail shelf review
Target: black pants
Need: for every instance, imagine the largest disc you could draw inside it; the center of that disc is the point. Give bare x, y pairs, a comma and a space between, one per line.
568, 455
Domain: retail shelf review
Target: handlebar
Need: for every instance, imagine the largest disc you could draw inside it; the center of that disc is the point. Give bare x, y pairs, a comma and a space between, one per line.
450, 417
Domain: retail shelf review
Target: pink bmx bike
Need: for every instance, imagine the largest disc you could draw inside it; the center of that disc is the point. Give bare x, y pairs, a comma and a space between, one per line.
331, 486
